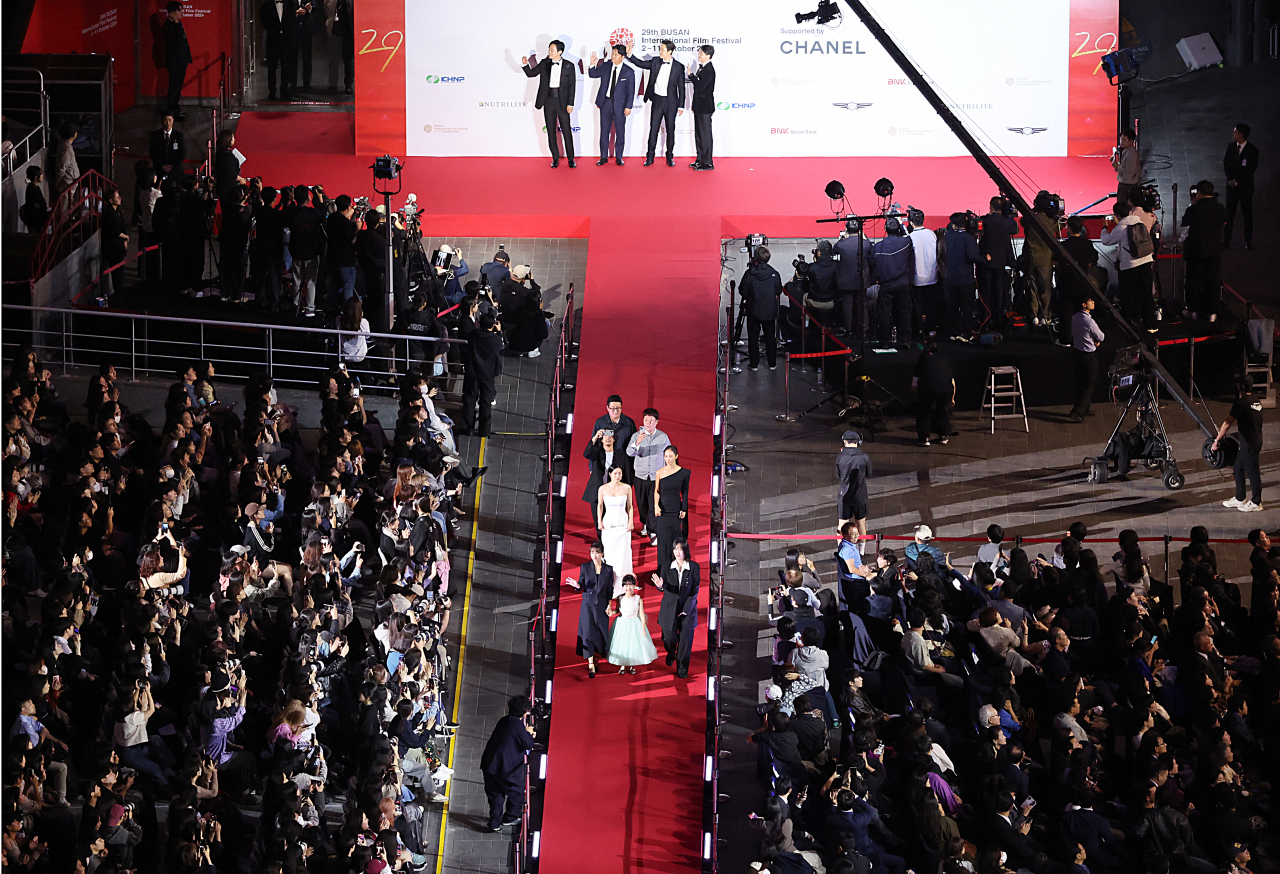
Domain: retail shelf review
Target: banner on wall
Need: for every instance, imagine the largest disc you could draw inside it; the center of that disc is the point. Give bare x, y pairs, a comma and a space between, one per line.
103, 27
1023, 77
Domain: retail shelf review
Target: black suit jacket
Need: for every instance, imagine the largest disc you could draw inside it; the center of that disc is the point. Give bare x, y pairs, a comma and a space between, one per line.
279, 31
1240, 164
596, 589
503, 756
704, 90
484, 355
568, 83
594, 454
1021, 849
675, 82
174, 154
680, 594
177, 51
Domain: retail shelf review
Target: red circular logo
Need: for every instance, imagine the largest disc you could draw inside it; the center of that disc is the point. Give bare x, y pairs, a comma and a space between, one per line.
621, 36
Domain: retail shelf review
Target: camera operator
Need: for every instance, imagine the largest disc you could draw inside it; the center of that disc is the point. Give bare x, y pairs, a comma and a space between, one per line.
996, 253
1203, 225
1082, 250
498, 270
761, 287
958, 285
852, 270
823, 290
484, 366
1040, 256
892, 266
371, 257
503, 763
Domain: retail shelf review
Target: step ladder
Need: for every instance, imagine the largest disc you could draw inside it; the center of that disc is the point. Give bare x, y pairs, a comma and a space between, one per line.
1002, 398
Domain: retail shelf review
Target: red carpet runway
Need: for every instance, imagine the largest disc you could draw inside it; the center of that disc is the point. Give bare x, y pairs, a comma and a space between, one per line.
624, 780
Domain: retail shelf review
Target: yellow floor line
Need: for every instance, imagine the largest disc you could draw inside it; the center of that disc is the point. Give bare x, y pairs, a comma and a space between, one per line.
462, 648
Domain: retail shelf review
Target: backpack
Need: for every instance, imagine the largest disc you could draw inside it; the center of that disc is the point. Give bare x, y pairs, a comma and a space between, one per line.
1140, 244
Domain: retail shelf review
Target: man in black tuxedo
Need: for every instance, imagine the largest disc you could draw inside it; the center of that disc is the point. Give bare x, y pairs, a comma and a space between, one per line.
704, 105
614, 100
557, 85
1240, 162
177, 55
678, 615
595, 581
665, 94
168, 147
503, 763
279, 29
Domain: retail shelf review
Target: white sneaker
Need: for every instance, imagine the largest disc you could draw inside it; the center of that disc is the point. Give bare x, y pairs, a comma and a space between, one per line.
1035, 321
1213, 317
1233, 503
534, 354
437, 798
1250, 507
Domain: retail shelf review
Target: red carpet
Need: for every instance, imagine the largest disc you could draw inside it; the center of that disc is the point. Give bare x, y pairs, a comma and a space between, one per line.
624, 779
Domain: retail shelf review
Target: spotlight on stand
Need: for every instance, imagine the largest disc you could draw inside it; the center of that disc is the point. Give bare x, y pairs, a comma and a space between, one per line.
834, 190
827, 11
386, 167
884, 188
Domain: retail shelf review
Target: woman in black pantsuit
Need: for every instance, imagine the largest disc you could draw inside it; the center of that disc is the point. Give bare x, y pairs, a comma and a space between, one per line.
671, 505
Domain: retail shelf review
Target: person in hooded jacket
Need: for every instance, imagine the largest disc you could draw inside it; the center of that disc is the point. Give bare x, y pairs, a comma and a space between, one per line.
761, 287
892, 266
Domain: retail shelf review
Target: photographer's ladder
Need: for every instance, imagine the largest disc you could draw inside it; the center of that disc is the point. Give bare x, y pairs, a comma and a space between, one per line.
1004, 393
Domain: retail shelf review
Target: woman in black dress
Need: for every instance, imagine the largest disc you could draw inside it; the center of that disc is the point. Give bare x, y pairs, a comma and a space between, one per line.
671, 505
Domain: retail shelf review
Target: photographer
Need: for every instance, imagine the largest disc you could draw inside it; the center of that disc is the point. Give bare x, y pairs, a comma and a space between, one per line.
852, 270
1039, 256
958, 283
484, 366
995, 251
823, 289
503, 763
520, 307
761, 287
892, 266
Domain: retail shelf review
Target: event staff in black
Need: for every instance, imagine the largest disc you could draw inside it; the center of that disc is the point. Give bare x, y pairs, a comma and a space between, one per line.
233, 233
678, 615
761, 287
665, 96
279, 34
308, 22
1086, 337
852, 270
484, 366
503, 763
595, 581
177, 55
168, 147
1240, 162
343, 28
557, 85
1246, 415
935, 394
1202, 230
704, 106
893, 264
995, 253
853, 469
616, 95
958, 279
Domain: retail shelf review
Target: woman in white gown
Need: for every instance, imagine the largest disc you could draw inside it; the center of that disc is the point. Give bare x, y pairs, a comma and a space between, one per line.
617, 509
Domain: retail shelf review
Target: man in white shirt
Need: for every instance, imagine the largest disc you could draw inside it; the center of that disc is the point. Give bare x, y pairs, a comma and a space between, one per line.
665, 94
924, 280
1135, 259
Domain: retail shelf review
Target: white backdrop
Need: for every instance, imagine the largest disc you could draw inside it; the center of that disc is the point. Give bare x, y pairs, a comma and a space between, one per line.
782, 89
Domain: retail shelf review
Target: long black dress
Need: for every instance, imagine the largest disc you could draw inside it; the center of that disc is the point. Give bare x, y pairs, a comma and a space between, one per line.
672, 499
593, 622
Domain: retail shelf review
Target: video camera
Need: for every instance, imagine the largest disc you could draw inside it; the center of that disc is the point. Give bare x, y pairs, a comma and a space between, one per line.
802, 266
1049, 204
1006, 207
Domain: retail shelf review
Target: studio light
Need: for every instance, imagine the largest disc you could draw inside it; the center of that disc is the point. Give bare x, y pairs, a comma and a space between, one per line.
834, 190
386, 167
883, 187
827, 11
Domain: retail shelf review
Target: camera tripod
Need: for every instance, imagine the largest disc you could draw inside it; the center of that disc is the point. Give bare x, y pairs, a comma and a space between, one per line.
1155, 452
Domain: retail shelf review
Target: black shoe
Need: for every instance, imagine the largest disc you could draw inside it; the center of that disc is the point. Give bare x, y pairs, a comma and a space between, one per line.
682, 675
572, 163
180, 116
511, 822
602, 162
495, 828
648, 162
271, 95
555, 162
1075, 418
705, 167
1248, 244
591, 672
671, 660
695, 166
671, 162
619, 161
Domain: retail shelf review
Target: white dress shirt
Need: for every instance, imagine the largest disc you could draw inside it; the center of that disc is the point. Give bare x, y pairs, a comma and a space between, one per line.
555, 72
280, 9
662, 78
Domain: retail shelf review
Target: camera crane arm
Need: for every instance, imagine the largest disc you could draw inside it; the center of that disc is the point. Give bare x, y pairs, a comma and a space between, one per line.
1008, 189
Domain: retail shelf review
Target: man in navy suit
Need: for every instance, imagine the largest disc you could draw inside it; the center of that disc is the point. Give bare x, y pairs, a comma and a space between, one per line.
665, 94
503, 763
557, 83
678, 615
617, 93
595, 581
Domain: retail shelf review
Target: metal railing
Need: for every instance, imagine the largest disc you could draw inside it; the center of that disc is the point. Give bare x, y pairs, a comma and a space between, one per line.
24, 150
542, 630
157, 345
74, 218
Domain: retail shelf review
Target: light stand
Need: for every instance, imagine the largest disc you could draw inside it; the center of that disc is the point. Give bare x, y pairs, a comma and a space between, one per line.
386, 169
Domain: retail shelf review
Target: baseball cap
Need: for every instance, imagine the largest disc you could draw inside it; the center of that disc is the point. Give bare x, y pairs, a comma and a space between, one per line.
924, 532
252, 509
1204, 186
115, 815
520, 272
773, 693
239, 549
851, 437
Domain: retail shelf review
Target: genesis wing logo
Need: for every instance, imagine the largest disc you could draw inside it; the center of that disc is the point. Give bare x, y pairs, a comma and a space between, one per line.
1027, 131
852, 107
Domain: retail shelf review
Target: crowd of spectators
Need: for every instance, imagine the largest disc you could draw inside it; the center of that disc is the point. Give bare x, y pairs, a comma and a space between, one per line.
1058, 714
224, 643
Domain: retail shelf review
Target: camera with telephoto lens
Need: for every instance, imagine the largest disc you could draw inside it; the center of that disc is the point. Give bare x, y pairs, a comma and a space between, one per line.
802, 266
1049, 204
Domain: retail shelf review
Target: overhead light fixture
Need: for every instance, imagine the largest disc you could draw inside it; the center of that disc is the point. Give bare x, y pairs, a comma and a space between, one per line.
883, 187
834, 190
